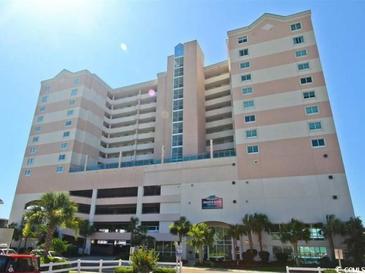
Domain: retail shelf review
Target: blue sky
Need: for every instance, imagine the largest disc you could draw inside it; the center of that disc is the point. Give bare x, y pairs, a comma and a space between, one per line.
40, 38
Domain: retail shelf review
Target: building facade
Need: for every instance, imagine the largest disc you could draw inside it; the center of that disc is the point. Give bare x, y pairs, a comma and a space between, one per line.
252, 134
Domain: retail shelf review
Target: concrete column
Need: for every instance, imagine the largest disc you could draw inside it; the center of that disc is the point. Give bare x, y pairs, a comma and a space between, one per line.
91, 219
139, 202
120, 159
85, 165
162, 154
211, 148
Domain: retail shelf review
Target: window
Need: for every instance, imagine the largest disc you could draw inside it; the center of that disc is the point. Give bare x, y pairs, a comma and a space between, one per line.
117, 192
176, 152
27, 172
177, 140
42, 109
76, 81
309, 94
253, 149
115, 209
177, 128
250, 118
64, 146
301, 53
74, 92
151, 190
303, 66
60, 169
37, 129
178, 82
40, 119
70, 112
312, 110
33, 150
252, 133
177, 116
242, 39
151, 208
30, 161
316, 233
178, 93
44, 99
296, 26
248, 104
244, 65
178, 104
247, 90
298, 40
318, 142
179, 62
246, 77
35, 139
61, 157
68, 123
71, 102
243, 52
66, 134
306, 80
314, 125
179, 71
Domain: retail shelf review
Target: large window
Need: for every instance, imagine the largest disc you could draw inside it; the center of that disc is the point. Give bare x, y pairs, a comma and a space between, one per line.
246, 77
248, 104
298, 40
252, 149
151, 208
251, 133
177, 116
317, 143
243, 52
152, 190
242, 39
315, 125
115, 209
177, 128
309, 94
117, 192
178, 93
311, 110
178, 82
250, 118
296, 26
306, 80
247, 90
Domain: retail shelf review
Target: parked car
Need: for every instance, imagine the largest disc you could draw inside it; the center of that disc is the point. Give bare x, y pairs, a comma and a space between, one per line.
42, 252
19, 263
6, 251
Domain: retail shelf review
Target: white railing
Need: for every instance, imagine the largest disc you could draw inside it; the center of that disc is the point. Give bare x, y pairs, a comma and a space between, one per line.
305, 269
96, 265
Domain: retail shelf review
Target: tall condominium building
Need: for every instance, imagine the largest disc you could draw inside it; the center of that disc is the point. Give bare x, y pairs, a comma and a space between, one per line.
251, 134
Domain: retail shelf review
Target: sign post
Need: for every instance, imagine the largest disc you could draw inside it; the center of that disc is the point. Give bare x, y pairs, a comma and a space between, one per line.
339, 256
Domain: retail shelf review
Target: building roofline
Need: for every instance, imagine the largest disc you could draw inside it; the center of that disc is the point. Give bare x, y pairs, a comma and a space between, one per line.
268, 15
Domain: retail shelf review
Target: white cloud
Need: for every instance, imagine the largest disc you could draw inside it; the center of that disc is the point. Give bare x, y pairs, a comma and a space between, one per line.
123, 46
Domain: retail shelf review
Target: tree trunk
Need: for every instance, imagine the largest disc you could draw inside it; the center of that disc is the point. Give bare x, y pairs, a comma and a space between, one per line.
20, 243
25, 242
332, 246
250, 241
48, 241
295, 253
259, 235
201, 254
233, 251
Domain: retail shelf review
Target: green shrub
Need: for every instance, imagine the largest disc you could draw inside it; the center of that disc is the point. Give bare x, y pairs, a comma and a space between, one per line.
59, 245
144, 260
282, 257
164, 270
264, 256
123, 269
72, 250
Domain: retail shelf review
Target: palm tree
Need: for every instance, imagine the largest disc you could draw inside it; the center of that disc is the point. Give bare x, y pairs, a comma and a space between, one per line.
356, 240
332, 227
260, 223
248, 228
201, 235
235, 232
86, 230
53, 210
180, 228
293, 232
132, 228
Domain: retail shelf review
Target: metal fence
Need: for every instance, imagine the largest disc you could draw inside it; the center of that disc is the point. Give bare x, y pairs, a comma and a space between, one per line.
96, 266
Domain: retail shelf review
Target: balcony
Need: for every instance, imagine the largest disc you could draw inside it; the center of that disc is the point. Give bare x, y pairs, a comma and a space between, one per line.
218, 101
218, 111
219, 134
132, 163
220, 77
218, 123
